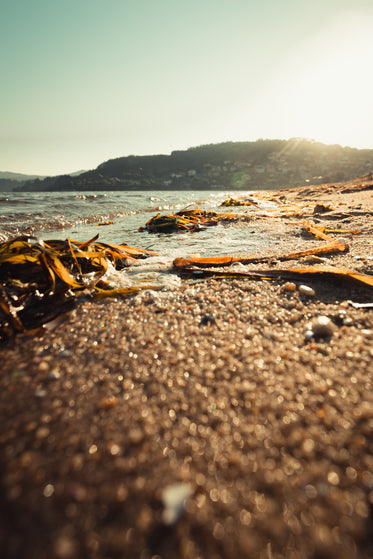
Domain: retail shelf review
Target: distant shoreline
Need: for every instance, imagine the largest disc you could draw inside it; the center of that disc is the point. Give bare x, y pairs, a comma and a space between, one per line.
264, 164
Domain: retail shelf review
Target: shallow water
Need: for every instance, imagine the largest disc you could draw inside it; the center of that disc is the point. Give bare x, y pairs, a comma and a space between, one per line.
75, 215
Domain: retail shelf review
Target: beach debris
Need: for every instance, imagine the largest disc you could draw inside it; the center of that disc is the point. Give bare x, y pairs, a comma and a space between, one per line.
358, 187
124, 292
325, 272
207, 262
189, 220
241, 201
342, 231
184, 220
322, 232
360, 305
314, 231
322, 208
170, 223
105, 223
312, 272
41, 280
174, 498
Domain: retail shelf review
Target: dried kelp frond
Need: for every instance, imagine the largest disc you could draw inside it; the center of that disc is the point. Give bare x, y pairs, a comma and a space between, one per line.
190, 220
314, 231
315, 272
324, 272
171, 223
40, 279
209, 262
240, 201
123, 291
322, 232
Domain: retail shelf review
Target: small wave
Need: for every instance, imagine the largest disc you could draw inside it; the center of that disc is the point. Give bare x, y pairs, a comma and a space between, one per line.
19, 202
8, 233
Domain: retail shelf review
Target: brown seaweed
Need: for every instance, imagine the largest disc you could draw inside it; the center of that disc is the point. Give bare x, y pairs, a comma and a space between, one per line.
314, 272
330, 248
189, 220
39, 279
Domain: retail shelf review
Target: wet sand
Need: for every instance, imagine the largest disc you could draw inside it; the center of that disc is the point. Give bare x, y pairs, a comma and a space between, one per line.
215, 387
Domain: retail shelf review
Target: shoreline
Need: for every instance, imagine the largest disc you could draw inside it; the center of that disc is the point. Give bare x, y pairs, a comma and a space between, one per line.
214, 386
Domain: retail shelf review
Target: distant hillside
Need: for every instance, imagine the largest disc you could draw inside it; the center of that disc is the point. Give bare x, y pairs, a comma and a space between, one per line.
10, 181
18, 176
77, 173
15, 181
230, 165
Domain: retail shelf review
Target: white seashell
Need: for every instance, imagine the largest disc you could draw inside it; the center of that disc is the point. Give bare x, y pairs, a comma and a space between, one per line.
312, 259
367, 333
174, 497
306, 290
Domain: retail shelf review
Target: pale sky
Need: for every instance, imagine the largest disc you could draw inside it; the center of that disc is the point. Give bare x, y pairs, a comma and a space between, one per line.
83, 81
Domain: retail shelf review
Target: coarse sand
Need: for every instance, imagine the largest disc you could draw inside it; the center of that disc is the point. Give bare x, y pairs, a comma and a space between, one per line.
207, 421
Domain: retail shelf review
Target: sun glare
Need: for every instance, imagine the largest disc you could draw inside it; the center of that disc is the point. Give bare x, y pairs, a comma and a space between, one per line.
323, 90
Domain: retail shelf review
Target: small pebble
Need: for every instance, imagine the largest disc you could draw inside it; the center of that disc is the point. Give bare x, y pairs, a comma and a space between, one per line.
340, 317
367, 333
289, 286
306, 290
322, 327
65, 547
308, 334
136, 436
208, 319
312, 259
108, 402
148, 297
54, 374
48, 490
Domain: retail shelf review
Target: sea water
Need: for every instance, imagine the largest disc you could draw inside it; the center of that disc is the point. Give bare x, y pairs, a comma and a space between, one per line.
75, 215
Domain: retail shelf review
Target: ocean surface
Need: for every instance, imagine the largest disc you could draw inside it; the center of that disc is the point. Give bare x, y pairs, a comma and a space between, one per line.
75, 215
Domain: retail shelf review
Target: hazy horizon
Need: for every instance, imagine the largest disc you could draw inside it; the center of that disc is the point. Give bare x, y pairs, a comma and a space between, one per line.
84, 84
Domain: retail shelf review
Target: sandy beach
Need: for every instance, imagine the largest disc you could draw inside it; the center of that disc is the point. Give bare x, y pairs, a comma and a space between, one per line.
235, 393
